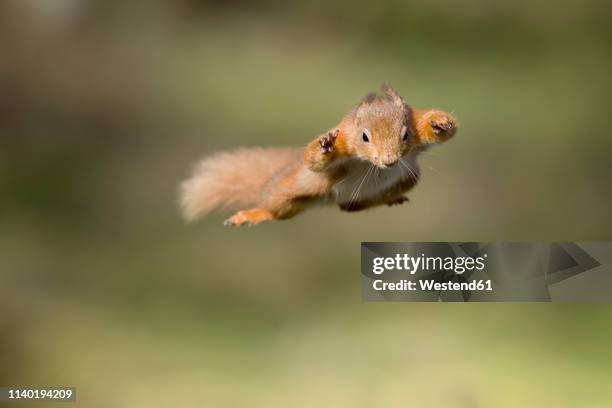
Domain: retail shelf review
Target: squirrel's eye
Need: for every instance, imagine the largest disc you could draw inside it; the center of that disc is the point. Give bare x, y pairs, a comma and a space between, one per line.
365, 137
405, 135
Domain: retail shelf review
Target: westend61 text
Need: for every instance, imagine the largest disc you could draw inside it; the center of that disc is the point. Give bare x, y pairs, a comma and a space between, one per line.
432, 285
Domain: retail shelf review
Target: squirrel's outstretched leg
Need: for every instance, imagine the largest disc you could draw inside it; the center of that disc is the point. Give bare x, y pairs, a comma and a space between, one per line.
321, 152
434, 126
249, 217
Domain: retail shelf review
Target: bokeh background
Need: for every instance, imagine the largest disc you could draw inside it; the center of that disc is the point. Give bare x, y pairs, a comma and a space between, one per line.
104, 106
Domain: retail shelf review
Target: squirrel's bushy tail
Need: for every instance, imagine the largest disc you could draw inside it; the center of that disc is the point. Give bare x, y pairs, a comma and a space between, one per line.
231, 180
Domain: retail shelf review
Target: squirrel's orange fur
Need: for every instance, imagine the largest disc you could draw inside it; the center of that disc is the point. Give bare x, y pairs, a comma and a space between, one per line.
368, 159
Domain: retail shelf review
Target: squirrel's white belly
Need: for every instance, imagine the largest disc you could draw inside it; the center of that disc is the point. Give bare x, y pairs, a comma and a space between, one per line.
365, 181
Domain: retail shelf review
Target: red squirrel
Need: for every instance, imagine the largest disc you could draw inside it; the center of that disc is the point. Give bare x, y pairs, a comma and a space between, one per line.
367, 160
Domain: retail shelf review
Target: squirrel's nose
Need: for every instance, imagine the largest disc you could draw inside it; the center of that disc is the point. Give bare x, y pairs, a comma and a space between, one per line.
388, 161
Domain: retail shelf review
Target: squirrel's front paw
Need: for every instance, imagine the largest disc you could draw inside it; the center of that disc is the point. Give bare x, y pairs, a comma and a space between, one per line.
320, 152
435, 126
443, 126
328, 141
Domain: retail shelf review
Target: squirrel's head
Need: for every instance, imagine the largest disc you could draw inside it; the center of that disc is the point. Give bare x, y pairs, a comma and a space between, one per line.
382, 128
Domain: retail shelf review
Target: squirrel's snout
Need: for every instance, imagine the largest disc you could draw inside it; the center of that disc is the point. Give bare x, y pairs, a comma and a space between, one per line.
384, 160
387, 161
385, 165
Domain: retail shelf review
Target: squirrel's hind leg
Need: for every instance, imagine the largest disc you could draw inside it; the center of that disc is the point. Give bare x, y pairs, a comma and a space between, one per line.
249, 217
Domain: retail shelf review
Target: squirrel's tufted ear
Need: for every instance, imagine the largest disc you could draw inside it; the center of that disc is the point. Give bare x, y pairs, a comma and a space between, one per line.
392, 94
368, 99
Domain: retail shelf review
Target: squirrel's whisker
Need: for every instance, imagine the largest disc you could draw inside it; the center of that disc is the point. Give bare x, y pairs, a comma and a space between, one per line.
363, 181
353, 193
365, 177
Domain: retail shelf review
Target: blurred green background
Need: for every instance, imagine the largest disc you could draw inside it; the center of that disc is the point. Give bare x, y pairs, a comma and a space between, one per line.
104, 106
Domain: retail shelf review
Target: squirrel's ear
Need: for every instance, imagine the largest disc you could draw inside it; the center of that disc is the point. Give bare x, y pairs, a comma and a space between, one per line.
391, 93
368, 99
